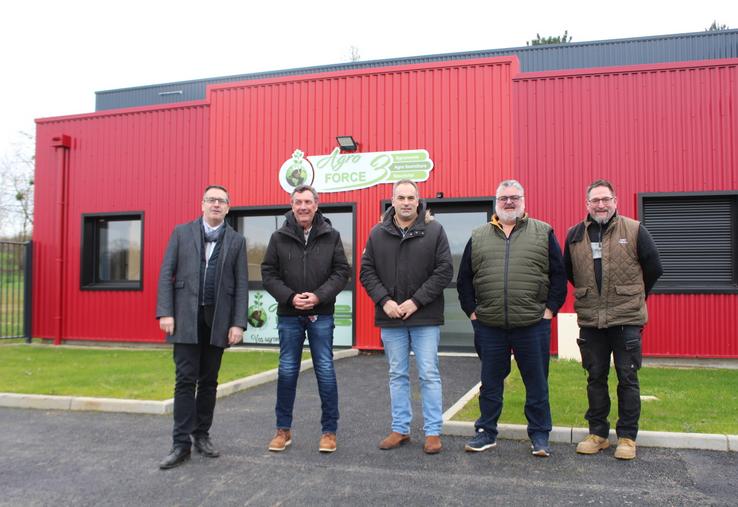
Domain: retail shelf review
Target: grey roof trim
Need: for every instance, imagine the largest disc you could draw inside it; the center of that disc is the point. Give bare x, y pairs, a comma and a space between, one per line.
573, 55
403, 60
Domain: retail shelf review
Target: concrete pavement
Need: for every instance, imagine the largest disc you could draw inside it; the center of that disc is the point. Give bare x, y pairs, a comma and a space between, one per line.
92, 458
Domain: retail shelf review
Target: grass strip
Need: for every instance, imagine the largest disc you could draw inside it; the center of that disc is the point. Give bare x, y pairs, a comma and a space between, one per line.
111, 373
691, 400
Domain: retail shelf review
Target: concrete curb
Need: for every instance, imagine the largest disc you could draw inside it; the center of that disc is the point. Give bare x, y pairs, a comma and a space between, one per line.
566, 435
48, 402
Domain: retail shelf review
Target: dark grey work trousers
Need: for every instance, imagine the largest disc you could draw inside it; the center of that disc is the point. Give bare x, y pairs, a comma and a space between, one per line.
596, 346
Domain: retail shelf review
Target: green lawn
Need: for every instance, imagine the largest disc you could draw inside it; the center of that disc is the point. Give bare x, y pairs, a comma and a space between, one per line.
693, 400
110, 373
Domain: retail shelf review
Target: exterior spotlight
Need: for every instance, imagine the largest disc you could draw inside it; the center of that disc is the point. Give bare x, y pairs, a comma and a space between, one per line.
347, 143
439, 195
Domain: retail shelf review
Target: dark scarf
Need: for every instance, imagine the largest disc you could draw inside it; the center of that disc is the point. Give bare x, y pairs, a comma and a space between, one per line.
213, 236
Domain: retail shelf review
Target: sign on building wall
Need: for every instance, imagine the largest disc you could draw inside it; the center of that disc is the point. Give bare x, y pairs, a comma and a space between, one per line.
262, 318
339, 172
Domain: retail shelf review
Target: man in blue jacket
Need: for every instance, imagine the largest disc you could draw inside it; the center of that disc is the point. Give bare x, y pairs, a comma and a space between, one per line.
404, 269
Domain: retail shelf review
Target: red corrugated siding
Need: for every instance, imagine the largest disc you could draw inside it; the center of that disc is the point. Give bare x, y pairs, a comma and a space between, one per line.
648, 128
665, 128
460, 112
153, 160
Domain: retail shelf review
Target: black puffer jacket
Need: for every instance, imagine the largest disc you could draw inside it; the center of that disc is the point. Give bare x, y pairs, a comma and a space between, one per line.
291, 267
417, 266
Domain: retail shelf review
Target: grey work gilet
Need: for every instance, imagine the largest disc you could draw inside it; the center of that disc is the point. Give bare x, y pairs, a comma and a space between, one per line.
622, 298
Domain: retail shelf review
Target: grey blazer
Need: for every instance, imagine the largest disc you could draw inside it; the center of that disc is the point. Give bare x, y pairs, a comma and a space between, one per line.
179, 284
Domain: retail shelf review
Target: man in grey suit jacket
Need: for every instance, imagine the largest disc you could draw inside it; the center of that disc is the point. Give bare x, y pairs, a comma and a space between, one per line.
202, 306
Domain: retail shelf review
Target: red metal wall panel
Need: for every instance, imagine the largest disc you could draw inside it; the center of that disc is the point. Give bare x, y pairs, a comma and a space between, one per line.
152, 160
662, 128
665, 128
459, 111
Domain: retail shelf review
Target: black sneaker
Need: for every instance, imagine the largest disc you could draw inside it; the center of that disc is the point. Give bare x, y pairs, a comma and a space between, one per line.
481, 442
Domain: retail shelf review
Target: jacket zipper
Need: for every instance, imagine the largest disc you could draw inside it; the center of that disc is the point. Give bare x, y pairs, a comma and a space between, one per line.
507, 259
403, 237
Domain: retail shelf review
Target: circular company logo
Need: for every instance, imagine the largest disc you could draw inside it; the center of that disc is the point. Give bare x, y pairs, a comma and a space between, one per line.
258, 316
296, 171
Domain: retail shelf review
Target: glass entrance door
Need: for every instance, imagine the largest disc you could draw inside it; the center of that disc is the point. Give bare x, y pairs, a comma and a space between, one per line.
459, 218
258, 224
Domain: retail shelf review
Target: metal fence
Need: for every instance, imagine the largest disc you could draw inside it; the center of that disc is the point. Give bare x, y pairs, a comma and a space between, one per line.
15, 289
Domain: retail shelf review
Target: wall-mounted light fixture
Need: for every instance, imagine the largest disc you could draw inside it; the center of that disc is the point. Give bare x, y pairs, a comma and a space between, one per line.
439, 195
347, 143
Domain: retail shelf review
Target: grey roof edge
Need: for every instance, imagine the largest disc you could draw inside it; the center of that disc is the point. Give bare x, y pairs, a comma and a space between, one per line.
406, 60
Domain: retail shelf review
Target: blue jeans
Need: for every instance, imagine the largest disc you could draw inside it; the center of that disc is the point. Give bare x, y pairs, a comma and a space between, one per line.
423, 341
292, 332
530, 345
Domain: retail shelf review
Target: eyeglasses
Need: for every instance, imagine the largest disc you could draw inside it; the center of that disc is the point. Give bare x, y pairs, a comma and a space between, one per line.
510, 198
213, 200
603, 200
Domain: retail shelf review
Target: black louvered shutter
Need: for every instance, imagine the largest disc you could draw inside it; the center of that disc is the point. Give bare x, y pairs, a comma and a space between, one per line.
696, 239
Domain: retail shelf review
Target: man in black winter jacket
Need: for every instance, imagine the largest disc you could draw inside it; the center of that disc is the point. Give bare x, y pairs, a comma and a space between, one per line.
404, 269
304, 269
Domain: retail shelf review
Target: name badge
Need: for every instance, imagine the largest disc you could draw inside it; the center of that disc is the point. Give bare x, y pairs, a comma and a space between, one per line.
596, 250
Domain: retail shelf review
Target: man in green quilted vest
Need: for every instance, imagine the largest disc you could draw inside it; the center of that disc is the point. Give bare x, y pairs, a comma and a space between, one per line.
511, 284
613, 263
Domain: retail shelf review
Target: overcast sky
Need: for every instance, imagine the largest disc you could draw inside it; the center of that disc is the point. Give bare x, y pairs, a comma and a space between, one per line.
56, 54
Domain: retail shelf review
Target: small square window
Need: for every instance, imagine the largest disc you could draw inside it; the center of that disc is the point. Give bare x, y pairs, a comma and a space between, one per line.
112, 253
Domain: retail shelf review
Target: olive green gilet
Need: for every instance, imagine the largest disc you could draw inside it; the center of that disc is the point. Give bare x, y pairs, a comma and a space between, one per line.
511, 274
622, 300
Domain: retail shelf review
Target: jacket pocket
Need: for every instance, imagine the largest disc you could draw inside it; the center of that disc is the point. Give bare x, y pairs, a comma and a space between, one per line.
179, 284
628, 290
633, 348
584, 351
580, 292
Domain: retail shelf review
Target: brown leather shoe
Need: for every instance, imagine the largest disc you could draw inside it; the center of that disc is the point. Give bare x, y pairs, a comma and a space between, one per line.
432, 444
327, 442
282, 439
393, 441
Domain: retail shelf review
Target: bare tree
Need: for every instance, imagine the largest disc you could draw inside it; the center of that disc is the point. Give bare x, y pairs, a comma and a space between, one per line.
16, 188
354, 55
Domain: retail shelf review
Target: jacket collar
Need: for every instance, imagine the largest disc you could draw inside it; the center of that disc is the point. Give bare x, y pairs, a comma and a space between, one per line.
518, 221
321, 225
424, 216
196, 231
585, 224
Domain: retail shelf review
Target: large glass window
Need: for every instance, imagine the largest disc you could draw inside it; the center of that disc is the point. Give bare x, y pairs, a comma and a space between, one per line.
697, 238
257, 225
112, 251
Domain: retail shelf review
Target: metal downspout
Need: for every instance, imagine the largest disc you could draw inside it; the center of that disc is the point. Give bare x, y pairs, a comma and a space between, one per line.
61, 144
